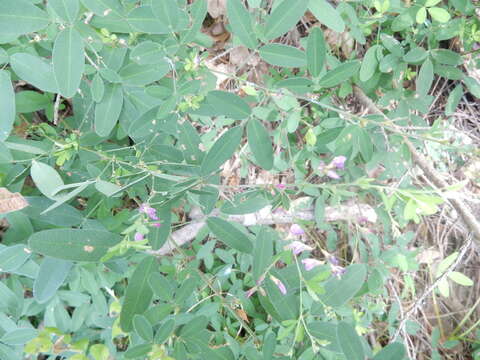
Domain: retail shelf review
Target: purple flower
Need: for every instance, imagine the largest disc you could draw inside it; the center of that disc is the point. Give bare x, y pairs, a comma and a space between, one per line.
297, 247
338, 271
157, 224
138, 236
151, 212
311, 263
333, 175
250, 292
333, 260
296, 229
339, 162
281, 186
279, 284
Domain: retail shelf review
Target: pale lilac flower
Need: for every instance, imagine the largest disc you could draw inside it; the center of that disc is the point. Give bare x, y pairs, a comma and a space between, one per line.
157, 224
297, 247
138, 236
260, 280
311, 263
151, 212
333, 260
281, 186
338, 271
339, 162
250, 292
333, 175
279, 284
296, 229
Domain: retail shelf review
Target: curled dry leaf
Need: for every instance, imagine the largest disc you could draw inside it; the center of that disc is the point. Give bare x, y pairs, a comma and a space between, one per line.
217, 8
11, 201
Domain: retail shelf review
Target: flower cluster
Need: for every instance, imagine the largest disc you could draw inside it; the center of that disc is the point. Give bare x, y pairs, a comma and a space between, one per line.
297, 247
337, 163
152, 215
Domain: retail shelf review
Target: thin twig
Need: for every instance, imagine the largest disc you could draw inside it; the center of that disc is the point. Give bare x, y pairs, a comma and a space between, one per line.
459, 205
55, 109
462, 251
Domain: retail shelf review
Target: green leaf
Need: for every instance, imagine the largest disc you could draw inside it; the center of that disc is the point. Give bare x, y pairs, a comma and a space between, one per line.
140, 75
260, 143
339, 291
198, 12
460, 278
316, 51
4, 57
108, 110
229, 104
7, 105
350, 342
415, 55
164, 332
241, 23
97, 88
66, 9
245, 203
142, 19
421, 15
229, 234
19, 336
73, 244
43, 76
170, 15
101, 7
5, 155
444, 287
453, 100
29, 101
148, 52
425, 78
283, 55
138, 351
325, 332
161, 286
284, 17
297, 85
21, 17
446, 57
51, 275
107, 188
12, 257
439, 14
138, 294
445, 263
340, 74
143, 327
222, 150
263, 251
68, 61
473, 86
393, 351
46, 178
327, 15
369, 63
448, 72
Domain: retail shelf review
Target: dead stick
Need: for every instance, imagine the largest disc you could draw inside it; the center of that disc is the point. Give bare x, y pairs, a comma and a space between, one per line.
359, 212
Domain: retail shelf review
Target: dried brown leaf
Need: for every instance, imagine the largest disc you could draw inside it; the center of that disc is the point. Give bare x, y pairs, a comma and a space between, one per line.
11, 201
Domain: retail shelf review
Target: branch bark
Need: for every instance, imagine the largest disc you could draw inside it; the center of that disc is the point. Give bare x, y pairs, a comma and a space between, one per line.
359, 213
